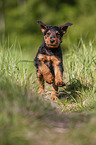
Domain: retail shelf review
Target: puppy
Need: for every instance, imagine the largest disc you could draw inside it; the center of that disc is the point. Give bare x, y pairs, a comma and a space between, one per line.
48, 60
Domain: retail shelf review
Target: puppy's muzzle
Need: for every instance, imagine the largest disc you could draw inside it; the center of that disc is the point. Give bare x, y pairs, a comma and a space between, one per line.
52, 41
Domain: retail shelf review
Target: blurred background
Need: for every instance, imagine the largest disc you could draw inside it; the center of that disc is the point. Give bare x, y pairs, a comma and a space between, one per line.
18, 21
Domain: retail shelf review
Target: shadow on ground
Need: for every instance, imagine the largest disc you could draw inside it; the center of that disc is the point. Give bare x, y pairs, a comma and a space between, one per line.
72, 89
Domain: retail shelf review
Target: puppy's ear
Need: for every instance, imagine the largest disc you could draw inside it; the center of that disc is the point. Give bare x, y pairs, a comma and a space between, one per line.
64, 27
43, 26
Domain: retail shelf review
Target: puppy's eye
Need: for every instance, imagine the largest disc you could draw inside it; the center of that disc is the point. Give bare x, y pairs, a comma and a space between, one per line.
48, 34
57, 34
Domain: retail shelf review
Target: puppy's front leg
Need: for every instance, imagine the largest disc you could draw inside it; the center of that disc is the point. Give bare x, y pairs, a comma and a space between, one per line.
45, 71
54, 92
57, 70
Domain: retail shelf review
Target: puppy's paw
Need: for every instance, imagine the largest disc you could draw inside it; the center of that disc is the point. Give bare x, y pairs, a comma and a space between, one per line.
40, 91
53, 97
60, 84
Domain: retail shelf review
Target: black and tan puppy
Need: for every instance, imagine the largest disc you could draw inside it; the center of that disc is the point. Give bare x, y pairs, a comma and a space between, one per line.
48, 61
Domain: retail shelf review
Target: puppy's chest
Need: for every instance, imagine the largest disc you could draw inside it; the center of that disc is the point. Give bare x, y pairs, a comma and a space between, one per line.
46, 59
49, 60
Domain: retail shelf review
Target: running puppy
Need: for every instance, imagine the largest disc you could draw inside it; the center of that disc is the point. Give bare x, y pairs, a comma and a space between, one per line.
48, 61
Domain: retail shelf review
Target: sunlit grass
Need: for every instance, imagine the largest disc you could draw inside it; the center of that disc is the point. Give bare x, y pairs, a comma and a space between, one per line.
23, 114
80, 75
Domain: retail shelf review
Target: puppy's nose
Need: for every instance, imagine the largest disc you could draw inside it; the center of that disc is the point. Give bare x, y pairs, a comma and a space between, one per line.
52, 40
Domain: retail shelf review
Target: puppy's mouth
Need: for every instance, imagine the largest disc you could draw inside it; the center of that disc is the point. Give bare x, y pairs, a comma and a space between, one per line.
53, 43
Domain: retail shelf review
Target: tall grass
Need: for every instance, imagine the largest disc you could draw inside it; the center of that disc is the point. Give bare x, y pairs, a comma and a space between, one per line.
80, 75
82, 64
13, 98
23, 115
19, 105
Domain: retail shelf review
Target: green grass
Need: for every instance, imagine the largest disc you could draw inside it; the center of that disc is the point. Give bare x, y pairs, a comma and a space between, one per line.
80, 75
26, 118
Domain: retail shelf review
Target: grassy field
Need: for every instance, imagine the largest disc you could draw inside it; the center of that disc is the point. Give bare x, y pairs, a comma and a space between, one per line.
29, 119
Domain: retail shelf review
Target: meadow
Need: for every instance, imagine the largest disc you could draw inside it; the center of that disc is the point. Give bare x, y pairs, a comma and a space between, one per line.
32, 119
27, 118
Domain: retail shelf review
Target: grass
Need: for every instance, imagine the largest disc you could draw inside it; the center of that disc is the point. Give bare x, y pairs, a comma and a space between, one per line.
26, 118
80, 75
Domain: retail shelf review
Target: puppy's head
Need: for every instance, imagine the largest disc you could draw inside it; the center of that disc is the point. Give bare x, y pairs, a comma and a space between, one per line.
53, 34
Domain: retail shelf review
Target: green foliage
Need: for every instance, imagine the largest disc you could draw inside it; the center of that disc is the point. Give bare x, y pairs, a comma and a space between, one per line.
20, 20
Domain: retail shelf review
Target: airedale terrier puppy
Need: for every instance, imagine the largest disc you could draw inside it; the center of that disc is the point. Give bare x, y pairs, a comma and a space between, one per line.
48, 61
